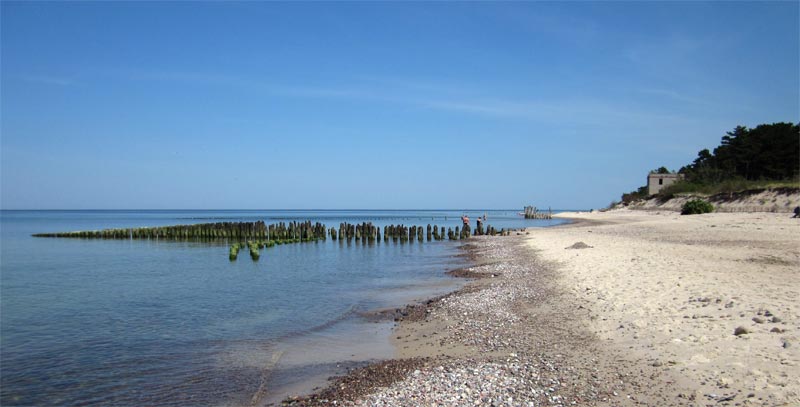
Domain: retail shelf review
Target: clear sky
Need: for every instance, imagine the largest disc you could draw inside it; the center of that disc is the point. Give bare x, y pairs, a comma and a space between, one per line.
376, 105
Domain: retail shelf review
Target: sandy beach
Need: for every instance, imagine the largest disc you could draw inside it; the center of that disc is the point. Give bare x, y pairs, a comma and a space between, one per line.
618, 308
673, 290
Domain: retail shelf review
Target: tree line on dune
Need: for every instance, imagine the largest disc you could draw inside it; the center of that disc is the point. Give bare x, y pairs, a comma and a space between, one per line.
764, 156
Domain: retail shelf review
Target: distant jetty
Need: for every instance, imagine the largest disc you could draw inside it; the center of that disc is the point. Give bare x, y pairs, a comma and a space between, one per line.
532, 213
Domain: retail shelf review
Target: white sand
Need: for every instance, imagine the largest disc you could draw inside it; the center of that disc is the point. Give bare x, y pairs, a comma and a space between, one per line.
671, 290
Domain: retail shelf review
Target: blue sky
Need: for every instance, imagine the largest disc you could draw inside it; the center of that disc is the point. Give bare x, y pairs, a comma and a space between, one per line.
376, 105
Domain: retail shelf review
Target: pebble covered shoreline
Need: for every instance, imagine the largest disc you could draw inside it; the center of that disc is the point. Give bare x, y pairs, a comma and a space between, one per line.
520, 341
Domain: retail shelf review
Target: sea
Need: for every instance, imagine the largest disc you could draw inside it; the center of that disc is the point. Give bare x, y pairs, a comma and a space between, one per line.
92, 322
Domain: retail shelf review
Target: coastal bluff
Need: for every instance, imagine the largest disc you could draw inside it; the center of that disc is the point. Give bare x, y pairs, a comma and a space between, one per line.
778, 200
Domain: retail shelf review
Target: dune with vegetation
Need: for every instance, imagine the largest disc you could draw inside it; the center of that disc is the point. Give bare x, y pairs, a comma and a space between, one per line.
780, 199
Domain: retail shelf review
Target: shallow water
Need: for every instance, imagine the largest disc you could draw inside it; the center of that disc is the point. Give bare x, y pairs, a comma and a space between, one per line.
137, 322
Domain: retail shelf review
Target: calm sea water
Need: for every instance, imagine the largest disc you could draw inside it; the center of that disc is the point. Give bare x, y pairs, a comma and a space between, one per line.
129, 323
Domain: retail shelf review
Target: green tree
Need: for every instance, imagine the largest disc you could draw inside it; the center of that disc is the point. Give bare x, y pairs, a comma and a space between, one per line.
767, 152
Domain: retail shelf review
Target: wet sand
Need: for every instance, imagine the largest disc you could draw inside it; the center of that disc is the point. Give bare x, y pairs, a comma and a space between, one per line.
642, 313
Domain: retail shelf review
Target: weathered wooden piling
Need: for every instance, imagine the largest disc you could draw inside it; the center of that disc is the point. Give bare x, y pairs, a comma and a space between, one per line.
466, 232
258, 235
363, 232
254, 253
532, 213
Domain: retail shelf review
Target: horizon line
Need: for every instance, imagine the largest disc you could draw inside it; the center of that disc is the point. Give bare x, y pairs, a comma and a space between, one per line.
283, 209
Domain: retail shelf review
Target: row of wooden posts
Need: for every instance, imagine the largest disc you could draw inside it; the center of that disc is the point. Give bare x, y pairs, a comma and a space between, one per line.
207, 231
283, 232
532, 213
367, 232
258, 235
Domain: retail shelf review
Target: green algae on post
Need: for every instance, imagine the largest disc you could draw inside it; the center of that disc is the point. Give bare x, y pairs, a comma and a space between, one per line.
254, 253
234, 252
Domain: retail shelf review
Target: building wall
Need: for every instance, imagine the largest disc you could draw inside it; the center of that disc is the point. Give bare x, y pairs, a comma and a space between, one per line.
656, 182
